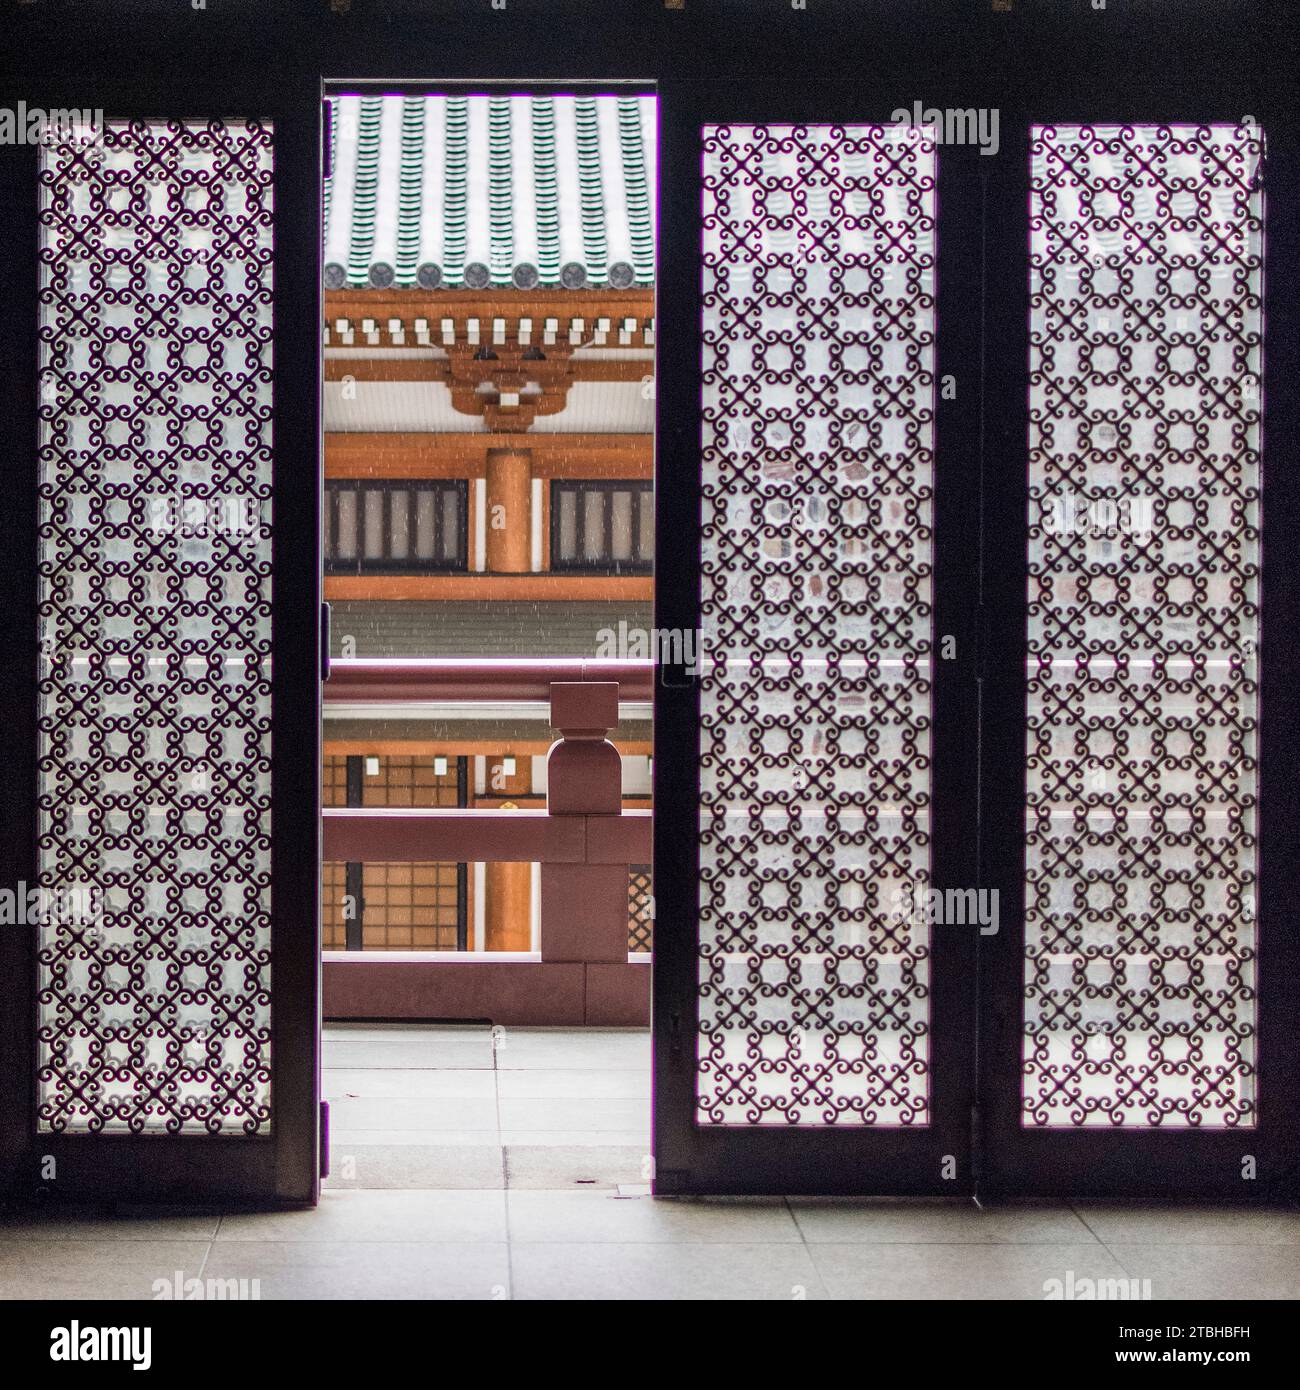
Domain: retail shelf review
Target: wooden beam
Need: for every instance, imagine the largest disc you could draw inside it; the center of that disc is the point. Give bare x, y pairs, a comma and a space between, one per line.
511, 305
461, 587
387, 368
463, 454
440, 747
468, 748
415, 368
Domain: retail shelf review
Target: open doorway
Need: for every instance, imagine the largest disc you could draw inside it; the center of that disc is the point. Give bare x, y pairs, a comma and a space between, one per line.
488, 547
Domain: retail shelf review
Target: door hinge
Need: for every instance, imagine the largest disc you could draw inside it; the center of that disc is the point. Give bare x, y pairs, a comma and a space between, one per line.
327, 134
324, 1139
1257, 182
324, 641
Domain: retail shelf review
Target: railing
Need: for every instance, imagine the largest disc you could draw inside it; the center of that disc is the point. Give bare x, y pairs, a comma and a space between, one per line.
583, 840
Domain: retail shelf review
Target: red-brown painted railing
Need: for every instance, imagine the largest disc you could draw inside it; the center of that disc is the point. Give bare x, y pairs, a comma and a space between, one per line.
472, 678
584, 842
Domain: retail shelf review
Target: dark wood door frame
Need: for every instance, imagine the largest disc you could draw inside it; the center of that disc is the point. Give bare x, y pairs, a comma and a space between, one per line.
279, 1168
835, 61
1110, 1161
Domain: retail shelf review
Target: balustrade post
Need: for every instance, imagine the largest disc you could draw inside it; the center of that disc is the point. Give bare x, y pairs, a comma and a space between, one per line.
584, 906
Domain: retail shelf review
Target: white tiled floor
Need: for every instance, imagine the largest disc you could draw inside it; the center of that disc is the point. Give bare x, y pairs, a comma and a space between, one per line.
472, 1108
464, 1170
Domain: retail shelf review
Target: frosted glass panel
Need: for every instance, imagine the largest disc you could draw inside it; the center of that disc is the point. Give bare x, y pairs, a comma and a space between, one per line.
373, 504
568, 525
399, 535
450, 524
425, 528
815, 609
345, 545
155, 631
620, 525
593, 525
1145, 331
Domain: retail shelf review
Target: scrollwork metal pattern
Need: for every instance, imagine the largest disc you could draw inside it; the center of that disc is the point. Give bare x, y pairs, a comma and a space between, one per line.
1145, 359
155, 627
816, 624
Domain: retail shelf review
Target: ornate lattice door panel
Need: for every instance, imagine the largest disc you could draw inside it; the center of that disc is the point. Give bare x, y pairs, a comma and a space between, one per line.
155, 631
816, 614
153, 864
1141, 961
1144, 464
815, 607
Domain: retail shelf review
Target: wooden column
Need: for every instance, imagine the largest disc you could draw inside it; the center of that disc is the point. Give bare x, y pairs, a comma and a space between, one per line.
509, 511
508, 907
508, 897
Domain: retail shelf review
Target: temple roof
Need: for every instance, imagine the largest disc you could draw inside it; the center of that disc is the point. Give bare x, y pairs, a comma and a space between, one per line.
471, 192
